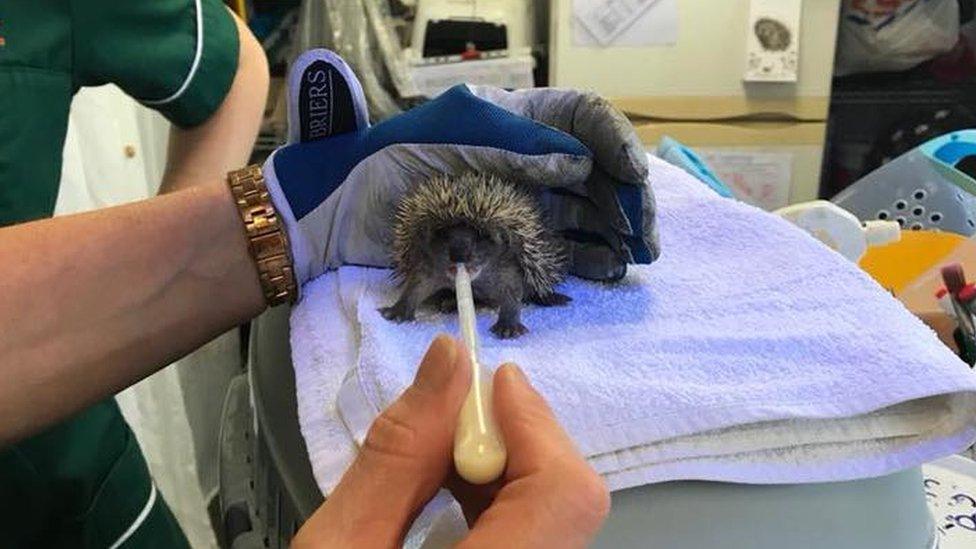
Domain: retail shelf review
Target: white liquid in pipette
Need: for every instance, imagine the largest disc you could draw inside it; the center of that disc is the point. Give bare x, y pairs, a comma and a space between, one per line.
479, 453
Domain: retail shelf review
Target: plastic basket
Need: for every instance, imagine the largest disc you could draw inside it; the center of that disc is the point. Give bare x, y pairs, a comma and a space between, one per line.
922, 189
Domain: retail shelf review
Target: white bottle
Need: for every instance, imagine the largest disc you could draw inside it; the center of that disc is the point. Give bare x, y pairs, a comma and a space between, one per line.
839, 229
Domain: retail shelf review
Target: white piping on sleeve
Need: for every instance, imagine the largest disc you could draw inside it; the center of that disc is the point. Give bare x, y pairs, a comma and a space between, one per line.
193, 68
139, 519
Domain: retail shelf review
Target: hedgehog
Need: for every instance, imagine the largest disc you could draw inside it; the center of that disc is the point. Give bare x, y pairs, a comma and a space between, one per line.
496, 228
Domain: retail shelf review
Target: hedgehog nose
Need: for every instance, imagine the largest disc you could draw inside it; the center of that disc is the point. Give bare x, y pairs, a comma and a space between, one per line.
458, 254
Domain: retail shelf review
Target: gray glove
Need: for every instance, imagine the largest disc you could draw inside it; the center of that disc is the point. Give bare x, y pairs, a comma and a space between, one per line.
611, 215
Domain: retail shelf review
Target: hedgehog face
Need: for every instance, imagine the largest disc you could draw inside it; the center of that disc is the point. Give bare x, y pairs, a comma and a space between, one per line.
463, 243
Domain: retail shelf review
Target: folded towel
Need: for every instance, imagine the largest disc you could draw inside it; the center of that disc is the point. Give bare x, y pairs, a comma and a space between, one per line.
748, 353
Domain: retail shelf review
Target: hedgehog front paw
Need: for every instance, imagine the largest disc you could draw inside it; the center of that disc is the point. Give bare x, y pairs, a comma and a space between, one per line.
552, 299
397, 313
506, 330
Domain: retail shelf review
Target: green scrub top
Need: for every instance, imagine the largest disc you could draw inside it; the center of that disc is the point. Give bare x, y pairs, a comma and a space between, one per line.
175, 56
84, 483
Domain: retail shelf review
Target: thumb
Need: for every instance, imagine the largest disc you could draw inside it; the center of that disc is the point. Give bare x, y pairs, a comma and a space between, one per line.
551, 497
404, 460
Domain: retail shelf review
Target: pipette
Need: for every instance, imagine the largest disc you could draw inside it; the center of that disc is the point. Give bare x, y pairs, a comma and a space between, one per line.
479, 453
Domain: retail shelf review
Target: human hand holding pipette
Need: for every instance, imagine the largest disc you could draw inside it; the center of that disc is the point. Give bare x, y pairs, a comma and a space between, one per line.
547, 496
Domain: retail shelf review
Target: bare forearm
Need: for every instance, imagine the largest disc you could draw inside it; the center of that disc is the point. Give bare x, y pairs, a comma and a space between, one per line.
92, 303
225, 140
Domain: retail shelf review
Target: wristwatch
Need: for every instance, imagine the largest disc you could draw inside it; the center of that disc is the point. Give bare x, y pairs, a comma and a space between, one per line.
266, 235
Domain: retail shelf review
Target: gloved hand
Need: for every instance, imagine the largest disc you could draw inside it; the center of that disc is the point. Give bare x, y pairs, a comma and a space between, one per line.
617, 186
338, 183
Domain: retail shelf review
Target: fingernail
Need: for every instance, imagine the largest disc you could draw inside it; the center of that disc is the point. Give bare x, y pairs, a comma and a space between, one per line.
438, 365
513, 373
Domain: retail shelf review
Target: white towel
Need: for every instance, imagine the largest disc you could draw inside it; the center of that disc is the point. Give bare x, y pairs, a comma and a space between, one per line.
748, 353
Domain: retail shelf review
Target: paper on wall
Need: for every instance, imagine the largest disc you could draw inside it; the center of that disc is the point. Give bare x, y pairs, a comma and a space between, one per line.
625, 22
773, 41
763, 179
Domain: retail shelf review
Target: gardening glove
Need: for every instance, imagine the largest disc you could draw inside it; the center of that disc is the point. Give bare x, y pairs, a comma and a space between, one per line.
616, 200
338, 182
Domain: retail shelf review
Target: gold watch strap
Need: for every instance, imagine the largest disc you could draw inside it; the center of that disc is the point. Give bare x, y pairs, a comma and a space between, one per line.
266, 236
